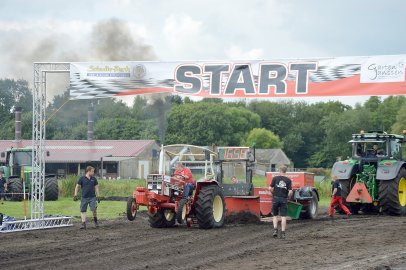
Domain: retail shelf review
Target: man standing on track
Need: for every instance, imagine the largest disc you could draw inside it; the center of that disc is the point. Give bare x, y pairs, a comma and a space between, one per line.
337, 199
281, 188
3, 186
90, 193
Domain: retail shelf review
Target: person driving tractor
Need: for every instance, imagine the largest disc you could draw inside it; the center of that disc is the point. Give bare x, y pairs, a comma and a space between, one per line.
376, 150
186, 174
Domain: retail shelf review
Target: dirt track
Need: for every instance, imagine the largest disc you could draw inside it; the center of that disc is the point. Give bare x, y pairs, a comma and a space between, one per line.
361, 242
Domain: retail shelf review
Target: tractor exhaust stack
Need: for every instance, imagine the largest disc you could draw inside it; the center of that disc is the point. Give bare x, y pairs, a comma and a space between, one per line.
17, 133
90, 124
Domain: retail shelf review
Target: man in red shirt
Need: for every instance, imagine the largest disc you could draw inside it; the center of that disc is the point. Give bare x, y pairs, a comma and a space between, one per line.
187, 176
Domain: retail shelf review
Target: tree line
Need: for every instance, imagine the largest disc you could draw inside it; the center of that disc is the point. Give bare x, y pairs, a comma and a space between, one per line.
312, 135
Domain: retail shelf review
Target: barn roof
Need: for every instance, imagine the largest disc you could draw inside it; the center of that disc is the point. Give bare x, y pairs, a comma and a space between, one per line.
84, 151
271, 156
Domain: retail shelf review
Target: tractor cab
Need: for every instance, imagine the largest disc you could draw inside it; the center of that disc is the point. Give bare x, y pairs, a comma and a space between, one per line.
16, 158
373, 147
199, 160
235, 166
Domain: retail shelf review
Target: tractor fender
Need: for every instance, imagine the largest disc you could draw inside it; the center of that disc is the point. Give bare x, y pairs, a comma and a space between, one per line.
389, 172
305, 193
198, 184
5, 170
343, 170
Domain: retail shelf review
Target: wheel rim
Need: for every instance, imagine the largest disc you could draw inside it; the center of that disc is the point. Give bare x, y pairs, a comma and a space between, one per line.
184, 212
402, 192
313, 207
217, 208
168, 215
133, 208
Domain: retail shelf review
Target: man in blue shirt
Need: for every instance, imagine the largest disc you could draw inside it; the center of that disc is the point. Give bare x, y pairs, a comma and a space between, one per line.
90, 194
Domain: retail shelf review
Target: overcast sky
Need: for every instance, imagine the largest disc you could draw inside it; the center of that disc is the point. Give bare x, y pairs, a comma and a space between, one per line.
54, 30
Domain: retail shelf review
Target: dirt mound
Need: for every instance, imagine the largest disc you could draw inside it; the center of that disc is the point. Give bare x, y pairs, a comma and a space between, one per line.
242, 218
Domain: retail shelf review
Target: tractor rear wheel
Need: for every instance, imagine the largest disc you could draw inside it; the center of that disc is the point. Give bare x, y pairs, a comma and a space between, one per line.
131, 208
15, 185
169, 217
210, 207
156, 220
51, 189
182, 211
311, 210
392, 194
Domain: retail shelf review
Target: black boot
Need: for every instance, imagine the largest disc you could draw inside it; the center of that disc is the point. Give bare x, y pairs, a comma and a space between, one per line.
275, 233
95, 222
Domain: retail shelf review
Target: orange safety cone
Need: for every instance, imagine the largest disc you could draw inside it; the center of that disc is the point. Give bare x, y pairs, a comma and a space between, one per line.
359, 194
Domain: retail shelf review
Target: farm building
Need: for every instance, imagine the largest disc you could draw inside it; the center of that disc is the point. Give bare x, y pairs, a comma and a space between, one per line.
118, 158
269, 160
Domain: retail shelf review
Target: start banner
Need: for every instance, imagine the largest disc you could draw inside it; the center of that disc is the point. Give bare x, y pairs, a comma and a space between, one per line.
341, 76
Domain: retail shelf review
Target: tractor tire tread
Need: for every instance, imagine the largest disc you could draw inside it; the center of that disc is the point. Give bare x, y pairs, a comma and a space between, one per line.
15, 185
388, 195
130, 215
51, 189
204, 207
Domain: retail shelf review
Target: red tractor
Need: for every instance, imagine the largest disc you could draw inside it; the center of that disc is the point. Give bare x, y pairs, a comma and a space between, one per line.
224, 188
163, 194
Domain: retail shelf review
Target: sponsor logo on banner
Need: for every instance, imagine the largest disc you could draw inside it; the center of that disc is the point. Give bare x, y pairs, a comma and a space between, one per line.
107, 71
383, 69
139, 71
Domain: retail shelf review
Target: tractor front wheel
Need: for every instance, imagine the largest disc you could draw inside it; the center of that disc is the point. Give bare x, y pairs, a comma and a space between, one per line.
182, 211
169, 217
131, 208
392, 194
156, 220
210, 207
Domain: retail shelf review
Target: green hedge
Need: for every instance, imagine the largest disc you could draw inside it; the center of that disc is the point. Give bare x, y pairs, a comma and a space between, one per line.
108, 188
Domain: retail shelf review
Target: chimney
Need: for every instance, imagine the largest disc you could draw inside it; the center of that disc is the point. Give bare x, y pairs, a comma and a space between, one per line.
17, 133
90, 123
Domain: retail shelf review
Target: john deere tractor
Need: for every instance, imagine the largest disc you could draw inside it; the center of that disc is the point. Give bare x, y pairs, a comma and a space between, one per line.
374, 178
18, 167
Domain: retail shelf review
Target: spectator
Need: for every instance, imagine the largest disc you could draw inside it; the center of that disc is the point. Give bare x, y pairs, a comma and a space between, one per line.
90, 194
3, 186
281, 188
336, 198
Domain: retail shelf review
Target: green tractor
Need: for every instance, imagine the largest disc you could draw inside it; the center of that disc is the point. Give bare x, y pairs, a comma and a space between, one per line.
18, 167
374, 178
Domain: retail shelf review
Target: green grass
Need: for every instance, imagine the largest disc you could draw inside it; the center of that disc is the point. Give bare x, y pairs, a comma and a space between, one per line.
65, 207
259, 181
113, 209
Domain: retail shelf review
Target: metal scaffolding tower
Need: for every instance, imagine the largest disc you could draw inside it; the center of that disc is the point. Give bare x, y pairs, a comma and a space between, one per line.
38, 221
